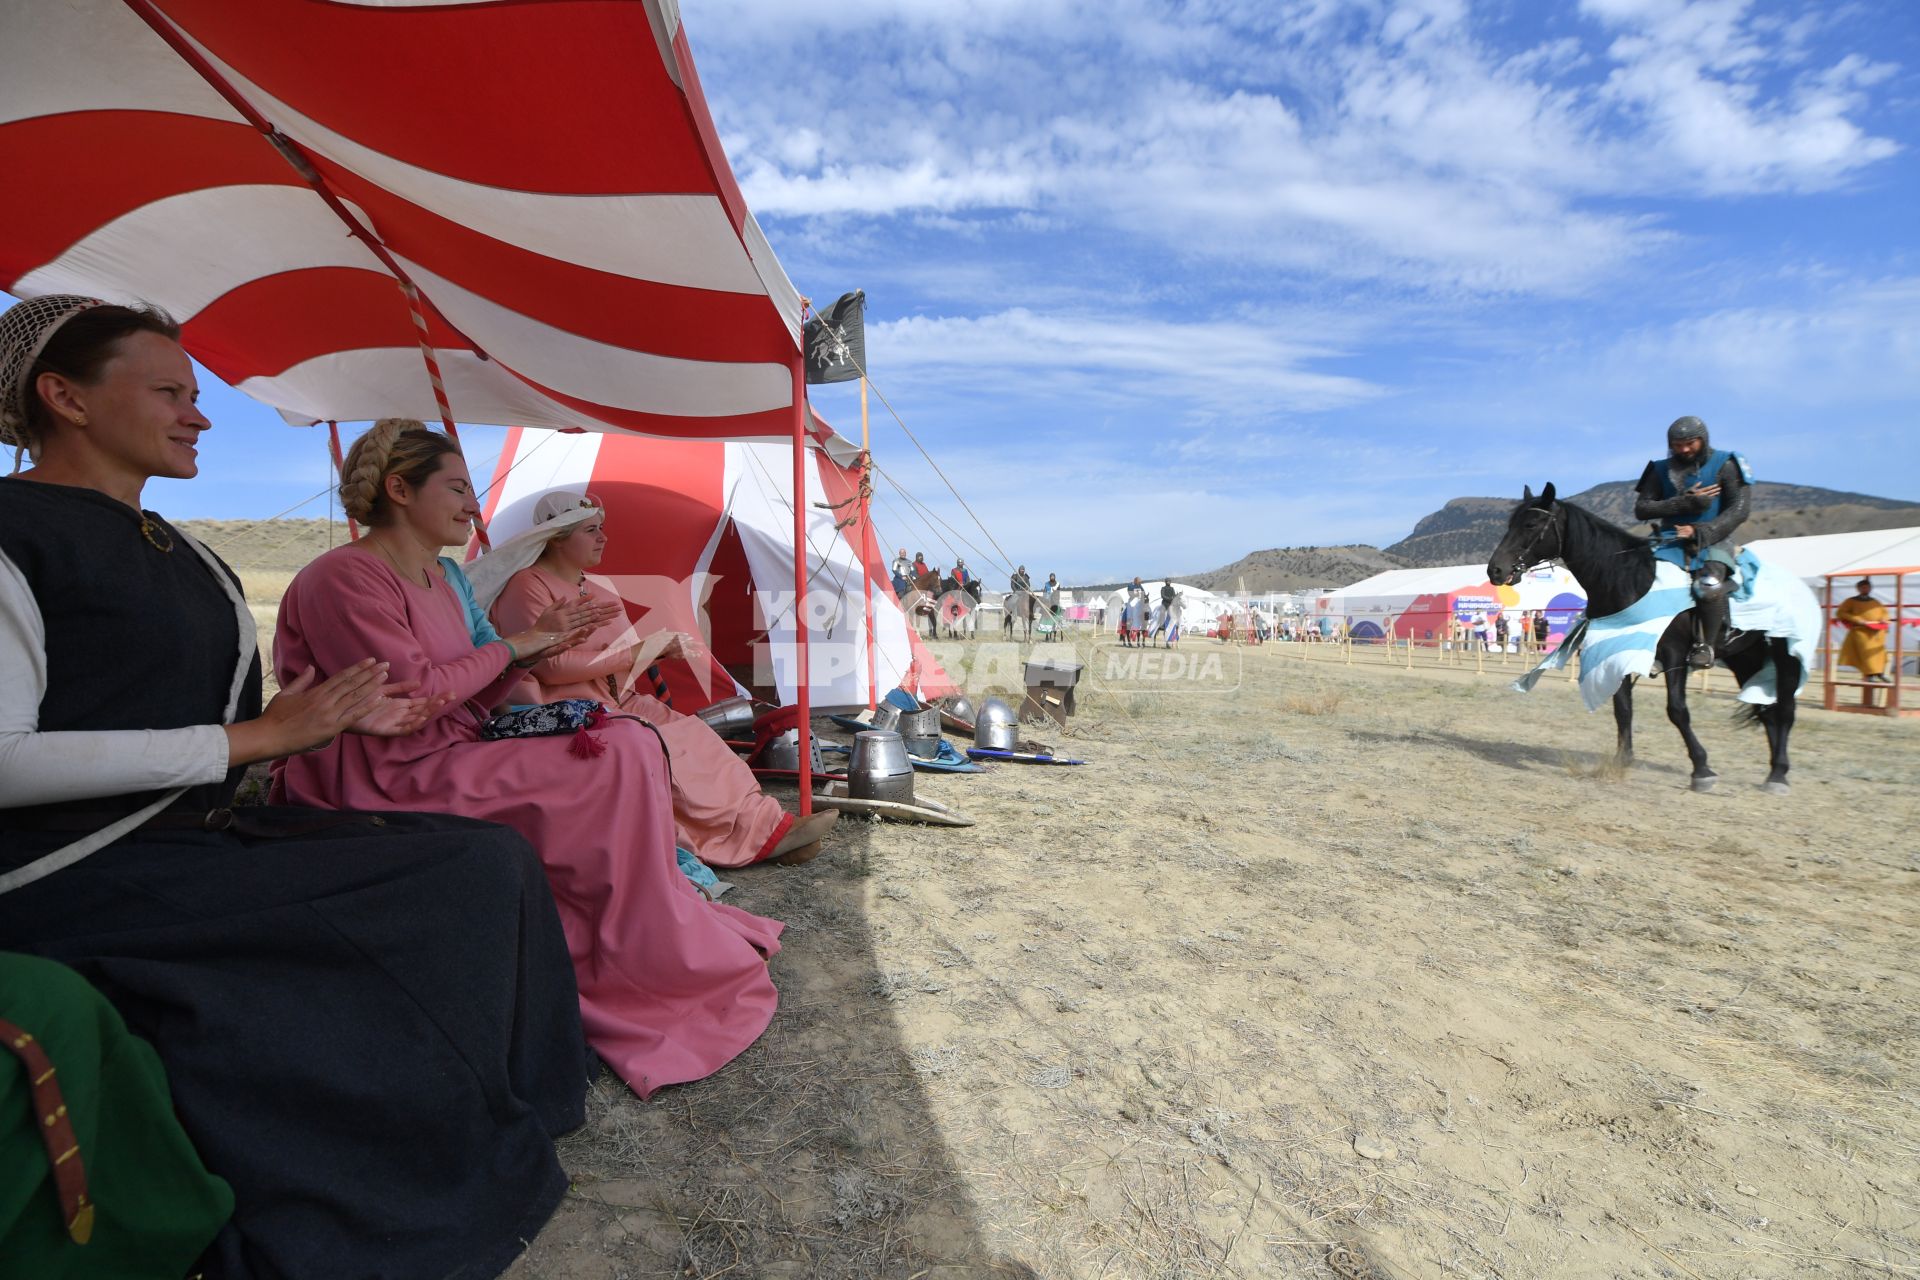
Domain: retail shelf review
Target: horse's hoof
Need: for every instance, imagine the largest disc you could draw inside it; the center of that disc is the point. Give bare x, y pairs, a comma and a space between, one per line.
1705, 782
1776, 788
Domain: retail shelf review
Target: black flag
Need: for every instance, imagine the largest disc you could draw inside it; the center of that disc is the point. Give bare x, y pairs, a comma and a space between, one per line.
837, 340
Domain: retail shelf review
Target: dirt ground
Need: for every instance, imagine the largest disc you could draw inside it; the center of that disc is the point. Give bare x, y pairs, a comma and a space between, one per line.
1351, 972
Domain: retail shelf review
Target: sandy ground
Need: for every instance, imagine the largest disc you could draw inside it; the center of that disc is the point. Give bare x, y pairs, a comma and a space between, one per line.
1352, 972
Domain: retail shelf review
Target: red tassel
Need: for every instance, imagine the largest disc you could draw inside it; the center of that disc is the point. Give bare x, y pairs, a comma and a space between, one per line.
586, 746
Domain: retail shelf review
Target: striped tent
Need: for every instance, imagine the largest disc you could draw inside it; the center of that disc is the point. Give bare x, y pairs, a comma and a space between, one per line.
513, 212
699, 540
544, 173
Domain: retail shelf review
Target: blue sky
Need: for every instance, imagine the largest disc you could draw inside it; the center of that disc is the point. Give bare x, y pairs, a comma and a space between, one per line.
1159, 284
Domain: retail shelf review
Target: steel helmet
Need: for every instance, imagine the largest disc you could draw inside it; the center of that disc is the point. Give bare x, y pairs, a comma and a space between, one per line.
996, 727
1687, 428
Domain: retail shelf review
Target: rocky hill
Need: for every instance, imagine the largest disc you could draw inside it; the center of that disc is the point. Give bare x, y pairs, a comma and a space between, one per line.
1466, 530
1297, 569
274, 546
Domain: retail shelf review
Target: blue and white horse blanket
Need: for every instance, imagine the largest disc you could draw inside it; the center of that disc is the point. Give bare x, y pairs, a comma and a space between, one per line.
1769, 600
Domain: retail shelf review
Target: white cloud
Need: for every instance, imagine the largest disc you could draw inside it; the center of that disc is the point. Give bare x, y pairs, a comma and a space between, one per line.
1221, 367
1692, 75
1859, 344
1365, 140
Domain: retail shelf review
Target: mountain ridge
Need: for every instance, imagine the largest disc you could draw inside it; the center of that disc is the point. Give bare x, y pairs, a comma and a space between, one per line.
1466, 530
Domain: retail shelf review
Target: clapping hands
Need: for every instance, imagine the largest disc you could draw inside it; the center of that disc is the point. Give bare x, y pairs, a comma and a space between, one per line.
560, 628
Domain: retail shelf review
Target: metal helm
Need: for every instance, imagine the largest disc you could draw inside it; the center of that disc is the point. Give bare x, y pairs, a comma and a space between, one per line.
878, 768
1687, 428
996, 728
783, 752
960, 709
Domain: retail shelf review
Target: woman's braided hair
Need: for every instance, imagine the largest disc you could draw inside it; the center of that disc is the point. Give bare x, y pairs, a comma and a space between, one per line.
403, 447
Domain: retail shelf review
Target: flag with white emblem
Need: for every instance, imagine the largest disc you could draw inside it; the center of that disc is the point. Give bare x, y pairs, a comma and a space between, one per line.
837, 340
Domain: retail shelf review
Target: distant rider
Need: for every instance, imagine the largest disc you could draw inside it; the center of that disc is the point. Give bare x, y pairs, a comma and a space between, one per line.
1697, 496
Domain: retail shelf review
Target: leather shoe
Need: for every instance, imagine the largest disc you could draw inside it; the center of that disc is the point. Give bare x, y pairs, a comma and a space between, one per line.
802, 841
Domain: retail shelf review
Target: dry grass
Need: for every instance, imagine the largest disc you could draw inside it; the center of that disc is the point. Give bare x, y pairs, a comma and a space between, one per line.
1605, 768
1275, 991
1313, 704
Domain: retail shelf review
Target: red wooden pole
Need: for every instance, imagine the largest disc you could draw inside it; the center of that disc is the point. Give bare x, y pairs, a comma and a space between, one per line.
803, 679
339, 471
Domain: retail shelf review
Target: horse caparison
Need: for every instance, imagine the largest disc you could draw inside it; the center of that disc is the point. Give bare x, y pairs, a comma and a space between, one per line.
1616, 568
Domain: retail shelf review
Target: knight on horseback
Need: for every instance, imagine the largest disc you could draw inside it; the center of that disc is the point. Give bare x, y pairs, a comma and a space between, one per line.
1697, 496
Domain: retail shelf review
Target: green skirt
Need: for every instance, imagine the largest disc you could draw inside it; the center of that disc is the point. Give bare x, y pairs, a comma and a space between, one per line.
154, 1207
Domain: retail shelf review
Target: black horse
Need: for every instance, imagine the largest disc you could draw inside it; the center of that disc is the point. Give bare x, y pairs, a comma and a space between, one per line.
1616, 569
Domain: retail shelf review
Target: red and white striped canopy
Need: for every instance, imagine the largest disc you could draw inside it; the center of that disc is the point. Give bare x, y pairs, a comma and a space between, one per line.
544, 171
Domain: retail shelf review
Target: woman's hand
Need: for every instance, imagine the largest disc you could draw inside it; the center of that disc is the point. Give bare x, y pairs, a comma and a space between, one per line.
677, 644
394, 716
307, 713
561, 627
571, 615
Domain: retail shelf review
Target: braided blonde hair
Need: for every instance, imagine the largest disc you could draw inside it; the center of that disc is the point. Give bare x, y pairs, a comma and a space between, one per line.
403, 447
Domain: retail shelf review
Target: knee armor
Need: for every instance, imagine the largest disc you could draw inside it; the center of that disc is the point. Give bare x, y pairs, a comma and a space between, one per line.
1713, 581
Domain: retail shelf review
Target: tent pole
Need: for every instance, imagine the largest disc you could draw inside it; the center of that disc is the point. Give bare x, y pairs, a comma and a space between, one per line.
867, 547
340, 471
803, 679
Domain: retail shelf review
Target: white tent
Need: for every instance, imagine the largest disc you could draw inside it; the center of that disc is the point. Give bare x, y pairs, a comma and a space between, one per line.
1418, 602
1812, 558
1198, 606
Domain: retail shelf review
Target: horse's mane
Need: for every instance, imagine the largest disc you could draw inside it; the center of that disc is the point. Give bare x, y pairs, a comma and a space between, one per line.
1602, 524
1616, 565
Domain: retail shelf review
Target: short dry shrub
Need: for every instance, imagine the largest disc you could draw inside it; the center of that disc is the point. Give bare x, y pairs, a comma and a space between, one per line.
1314, 704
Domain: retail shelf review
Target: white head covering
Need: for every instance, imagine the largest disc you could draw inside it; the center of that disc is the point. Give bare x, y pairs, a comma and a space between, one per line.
25, 330
555, 513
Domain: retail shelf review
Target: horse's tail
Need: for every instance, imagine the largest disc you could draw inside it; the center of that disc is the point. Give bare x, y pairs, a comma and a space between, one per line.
1751, 715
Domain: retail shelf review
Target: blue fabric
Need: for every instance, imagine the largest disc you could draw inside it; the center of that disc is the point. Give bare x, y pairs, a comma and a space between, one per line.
695, 870
1749, 567
1622, 644
902, 699
949, 760
1708, 468
477, 624
1771, 601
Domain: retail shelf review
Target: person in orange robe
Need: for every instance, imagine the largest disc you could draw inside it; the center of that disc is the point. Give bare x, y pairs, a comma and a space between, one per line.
719, 811
1865, 648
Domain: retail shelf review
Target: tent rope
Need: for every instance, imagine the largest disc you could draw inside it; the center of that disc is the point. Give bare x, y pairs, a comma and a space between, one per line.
816, 553
935, 515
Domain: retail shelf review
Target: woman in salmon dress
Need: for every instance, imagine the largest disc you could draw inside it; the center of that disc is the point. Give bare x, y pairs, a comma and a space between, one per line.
719, 812
672, 986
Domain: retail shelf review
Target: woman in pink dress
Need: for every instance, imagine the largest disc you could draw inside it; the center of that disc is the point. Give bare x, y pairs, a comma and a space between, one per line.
672, 987
719, 811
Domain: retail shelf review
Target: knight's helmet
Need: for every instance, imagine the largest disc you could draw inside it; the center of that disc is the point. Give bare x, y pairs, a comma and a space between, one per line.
1688, 428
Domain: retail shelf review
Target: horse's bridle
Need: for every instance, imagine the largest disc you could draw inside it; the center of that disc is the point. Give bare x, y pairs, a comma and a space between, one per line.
1527, 558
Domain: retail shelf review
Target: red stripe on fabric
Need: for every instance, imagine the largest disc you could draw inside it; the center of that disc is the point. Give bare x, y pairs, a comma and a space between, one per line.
702, 120
773, 841
664, 499
502, 467
91, 167
740, 426
563, 96
842, 486
640, 315
267, 326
